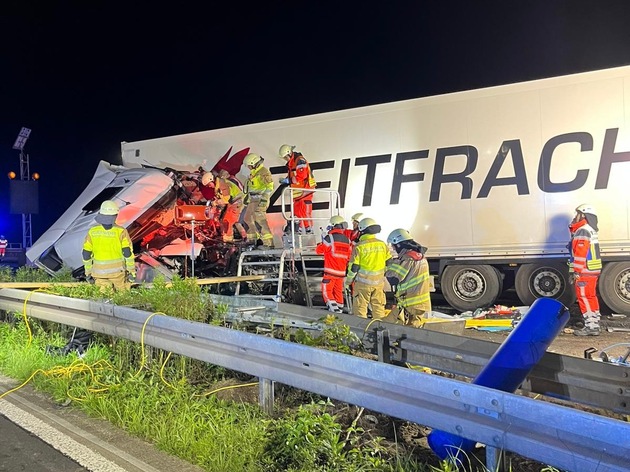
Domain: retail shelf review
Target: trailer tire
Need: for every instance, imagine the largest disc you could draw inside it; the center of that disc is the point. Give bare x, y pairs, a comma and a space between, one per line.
614, 286
468, 287
544, 280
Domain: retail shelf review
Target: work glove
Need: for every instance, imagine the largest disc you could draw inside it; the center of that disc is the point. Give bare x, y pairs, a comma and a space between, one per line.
573, 277
284, 181
131, 277
263, 203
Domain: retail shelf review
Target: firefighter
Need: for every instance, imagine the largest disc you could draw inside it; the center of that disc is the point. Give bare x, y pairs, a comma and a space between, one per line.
366, 270
108, 252
354, 233
3, 245
585, 266
229, 197
336, 248
258, 190
408, 274
299, 177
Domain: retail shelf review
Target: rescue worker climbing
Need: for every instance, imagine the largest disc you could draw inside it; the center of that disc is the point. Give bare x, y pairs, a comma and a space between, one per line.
336, 248
228, 198
585, 266
300, 178
108, 252
366, 270
408, 275
258, 190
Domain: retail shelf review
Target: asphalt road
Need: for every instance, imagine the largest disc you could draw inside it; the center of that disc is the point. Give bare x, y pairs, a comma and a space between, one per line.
21, 450
36, 434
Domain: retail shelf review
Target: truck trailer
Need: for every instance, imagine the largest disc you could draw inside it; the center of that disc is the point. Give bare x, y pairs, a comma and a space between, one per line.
487, 179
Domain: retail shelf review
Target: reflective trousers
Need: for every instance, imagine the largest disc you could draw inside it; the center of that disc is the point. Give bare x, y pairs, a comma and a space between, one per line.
364, 295
303, 208
255, 219
586, 293
332, 289
231, 220
117, 282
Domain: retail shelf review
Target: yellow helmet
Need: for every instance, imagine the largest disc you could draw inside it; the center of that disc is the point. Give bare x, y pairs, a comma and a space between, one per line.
366, 223
108, 208
398, 235
356, 217
337, 220
252, 159
285, 150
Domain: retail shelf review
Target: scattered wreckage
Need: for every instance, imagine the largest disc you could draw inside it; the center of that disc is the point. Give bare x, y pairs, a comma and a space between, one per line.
173, 221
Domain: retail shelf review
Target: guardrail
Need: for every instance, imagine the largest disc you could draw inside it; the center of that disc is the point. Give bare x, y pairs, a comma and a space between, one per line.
598, 384
556, 435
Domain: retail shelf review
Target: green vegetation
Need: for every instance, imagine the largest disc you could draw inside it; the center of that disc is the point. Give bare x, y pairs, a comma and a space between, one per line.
208, 423
133, 387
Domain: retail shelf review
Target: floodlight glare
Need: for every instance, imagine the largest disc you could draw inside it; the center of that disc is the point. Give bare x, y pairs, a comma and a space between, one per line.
11, 175
35, 176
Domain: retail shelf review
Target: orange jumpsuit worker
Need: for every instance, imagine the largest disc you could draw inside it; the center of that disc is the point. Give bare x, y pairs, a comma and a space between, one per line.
299, 176
585, 264
336, 248
366, 270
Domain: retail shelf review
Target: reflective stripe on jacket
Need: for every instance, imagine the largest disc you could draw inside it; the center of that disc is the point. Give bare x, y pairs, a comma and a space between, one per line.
368, 260
230, 190
336, 248
409, 273
106, 248
585, 258
259, 183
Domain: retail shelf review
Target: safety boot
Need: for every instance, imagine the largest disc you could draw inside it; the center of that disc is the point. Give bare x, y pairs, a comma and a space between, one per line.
587, 331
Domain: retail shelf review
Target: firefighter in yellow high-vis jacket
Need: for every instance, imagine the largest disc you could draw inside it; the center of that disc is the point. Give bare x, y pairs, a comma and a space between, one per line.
108, 252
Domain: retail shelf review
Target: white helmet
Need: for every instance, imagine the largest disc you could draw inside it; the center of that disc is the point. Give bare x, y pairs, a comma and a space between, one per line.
285, 150
337, 220
207, 178
252, 159
586, 208
366, 223
398, 235
108, 208
356, 217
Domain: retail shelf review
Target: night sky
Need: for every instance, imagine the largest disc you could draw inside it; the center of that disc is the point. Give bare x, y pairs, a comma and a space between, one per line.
85, 76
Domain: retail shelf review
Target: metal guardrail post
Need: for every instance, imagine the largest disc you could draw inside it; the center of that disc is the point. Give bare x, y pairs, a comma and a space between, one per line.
382, 344
266, 395
562, 437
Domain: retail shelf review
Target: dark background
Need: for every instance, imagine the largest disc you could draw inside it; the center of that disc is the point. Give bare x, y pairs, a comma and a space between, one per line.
85, 76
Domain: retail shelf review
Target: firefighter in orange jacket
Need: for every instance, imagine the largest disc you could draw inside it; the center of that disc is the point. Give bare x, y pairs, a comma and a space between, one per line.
366, 270
585, 266
299, 177
336, 248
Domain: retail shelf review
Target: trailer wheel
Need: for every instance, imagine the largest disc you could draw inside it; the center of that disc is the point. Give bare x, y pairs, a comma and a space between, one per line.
544, 280
468, 287
614, 286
